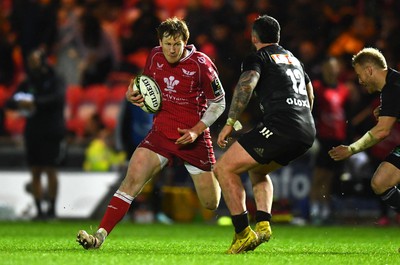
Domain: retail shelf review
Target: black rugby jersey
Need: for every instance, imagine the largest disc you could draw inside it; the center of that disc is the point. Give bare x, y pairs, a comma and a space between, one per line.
390, 95
281, 92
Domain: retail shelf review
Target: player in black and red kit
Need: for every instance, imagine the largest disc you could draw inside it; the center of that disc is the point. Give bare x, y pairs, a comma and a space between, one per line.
192, 99
330, 117
374, 74
285, 131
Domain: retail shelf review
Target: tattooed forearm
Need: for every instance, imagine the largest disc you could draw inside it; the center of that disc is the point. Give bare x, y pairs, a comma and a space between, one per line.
242, 94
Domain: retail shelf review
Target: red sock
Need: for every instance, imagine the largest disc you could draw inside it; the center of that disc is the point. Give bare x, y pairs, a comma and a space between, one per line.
116, 210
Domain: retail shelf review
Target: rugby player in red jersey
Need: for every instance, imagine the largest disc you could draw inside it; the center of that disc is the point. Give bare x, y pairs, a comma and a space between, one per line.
192, 100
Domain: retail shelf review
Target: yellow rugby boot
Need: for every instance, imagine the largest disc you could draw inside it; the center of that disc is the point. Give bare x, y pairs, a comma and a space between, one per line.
263, 231
243, 241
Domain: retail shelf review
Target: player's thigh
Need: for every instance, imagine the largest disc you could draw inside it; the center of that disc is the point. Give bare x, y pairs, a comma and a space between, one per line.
386, 176
207, 188
205, 181
260, 172
235, 160
143, 165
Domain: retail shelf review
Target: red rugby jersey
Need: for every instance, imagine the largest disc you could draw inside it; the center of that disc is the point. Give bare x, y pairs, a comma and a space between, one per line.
186, 86
330, 116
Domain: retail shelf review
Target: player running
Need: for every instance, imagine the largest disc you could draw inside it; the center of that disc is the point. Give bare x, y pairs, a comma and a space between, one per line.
285, 131
192, 100
374, 74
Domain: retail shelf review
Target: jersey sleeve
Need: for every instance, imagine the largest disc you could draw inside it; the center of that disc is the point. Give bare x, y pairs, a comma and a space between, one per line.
149, 59
210, 81
306, 78
389, 102
251, 63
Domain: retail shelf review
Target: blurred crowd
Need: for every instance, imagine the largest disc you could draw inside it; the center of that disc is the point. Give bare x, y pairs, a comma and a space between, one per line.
100, 44
97, 46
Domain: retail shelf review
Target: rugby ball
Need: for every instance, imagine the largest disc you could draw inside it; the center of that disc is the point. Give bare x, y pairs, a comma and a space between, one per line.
150, 91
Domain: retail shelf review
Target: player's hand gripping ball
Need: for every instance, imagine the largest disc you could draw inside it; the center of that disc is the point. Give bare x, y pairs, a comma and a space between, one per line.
150, 91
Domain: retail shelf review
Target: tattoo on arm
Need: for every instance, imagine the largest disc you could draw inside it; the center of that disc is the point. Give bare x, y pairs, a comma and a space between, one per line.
242, 94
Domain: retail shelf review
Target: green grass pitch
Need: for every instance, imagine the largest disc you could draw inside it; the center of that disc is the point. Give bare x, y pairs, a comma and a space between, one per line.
45, 243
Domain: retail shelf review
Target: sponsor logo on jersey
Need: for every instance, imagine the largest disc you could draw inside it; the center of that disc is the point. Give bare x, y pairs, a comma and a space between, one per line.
212, 71
171, 82
176, 100
188, 73
298, 102
285, 59
201, 60
160, 66
217, 87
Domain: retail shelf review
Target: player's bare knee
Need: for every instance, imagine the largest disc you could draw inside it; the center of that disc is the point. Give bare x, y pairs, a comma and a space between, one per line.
218, 171
211, 205
378, 186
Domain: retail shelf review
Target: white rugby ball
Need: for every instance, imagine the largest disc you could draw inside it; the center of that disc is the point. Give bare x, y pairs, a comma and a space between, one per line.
150, 91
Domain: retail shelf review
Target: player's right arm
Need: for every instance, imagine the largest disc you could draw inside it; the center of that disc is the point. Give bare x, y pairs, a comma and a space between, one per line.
132, 96
377, 134
241, 97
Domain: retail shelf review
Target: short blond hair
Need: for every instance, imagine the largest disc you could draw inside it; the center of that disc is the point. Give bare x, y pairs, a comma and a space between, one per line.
369, 55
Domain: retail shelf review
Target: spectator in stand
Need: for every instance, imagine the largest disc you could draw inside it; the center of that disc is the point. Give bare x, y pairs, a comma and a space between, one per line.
331, 98
96, 50
358, 34
7, 64
34, 23
66, 46
101, 153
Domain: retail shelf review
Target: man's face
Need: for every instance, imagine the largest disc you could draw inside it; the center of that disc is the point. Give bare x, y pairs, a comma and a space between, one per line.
172, 48
365, 77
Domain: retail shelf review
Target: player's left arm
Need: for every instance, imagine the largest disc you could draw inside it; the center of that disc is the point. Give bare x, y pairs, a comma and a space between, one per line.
309, 89
214, 109
310, 94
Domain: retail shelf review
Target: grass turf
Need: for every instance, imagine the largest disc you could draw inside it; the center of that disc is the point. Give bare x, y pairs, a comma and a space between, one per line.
45, 243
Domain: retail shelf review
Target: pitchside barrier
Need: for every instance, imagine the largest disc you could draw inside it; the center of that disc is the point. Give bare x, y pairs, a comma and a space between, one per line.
86, 194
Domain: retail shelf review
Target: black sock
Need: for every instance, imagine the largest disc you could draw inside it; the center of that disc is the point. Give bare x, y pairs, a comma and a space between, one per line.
52, 207
263, 216
38, 204
392, 198
240, 222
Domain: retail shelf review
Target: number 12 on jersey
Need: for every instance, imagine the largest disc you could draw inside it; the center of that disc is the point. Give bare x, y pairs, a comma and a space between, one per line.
298, 82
